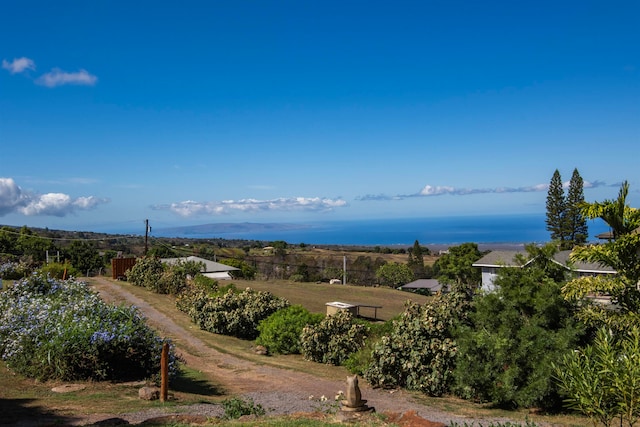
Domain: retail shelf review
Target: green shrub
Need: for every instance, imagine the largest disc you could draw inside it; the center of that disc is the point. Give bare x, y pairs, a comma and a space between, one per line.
603, 380
51, 329
280, 332
419, 354
236, 407
505, 355
233, 313
333, 339
60, 271
359, 361
146, 272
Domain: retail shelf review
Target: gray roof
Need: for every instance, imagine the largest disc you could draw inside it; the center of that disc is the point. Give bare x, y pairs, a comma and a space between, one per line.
499, 259
508, 259
209, 266
563, 257
432, 284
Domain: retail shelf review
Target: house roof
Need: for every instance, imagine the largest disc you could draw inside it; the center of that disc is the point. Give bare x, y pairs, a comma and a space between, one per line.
563, 257
432, 284
508, 259
209, 266
499, 259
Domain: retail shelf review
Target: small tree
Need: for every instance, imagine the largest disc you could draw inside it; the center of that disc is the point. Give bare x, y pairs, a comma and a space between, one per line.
515, 333
416, 260
556, 209
394, 274
576, 222
457, 265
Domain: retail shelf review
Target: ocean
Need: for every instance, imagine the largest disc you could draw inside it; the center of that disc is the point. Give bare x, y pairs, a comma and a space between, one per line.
496, 229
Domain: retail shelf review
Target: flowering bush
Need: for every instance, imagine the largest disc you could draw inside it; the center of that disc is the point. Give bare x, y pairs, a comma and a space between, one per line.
232, 313
333, 339
11, 270
52, 329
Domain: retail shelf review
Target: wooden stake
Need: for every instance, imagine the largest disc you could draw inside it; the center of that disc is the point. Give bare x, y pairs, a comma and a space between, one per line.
164, 374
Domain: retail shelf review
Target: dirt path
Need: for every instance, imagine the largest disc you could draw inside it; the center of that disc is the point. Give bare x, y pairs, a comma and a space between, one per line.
279, 390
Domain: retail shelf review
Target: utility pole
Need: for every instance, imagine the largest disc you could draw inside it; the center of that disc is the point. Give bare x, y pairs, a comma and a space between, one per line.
146, 235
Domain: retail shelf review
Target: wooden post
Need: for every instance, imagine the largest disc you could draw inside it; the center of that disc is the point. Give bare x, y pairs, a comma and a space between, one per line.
164, 374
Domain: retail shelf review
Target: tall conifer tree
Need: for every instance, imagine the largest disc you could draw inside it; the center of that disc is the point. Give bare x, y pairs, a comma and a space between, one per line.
576, 222
556, 207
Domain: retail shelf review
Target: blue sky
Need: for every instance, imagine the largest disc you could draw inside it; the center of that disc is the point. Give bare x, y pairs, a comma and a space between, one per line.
194, 112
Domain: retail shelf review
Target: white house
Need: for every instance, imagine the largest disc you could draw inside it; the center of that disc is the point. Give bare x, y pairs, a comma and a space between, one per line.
212, 269
490, 263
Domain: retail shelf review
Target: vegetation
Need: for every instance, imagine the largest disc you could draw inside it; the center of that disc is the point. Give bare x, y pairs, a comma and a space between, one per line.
333, 339
457, 265
394, 274
565, 220
622, 253
51, 329
234, 313
280, 332
419, 353
603, 380
513, 335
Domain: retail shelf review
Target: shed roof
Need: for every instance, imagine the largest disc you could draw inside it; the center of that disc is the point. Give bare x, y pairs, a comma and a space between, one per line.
209, 266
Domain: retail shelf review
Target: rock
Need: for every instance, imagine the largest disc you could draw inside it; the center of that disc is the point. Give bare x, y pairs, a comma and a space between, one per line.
149, 393
262, 350
68, 388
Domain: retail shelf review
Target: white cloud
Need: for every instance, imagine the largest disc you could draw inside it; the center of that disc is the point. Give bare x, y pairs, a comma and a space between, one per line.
307, 204
58, 77
431, 191
18, 65
14, 200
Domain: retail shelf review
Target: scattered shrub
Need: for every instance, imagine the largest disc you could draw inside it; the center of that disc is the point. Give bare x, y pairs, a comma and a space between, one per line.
233, 313
333, 339
359, 361
603, 380
60, 271
280, 332
146, 272
236, 407
419, 354
52, 329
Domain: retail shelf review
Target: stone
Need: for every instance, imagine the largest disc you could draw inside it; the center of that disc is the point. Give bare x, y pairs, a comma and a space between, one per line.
149, 393
68, 388
354, 402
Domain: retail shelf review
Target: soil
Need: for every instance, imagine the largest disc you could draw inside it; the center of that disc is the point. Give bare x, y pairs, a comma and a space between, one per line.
279, 391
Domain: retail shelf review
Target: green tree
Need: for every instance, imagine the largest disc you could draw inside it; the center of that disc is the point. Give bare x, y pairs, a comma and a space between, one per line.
576, 222
31, 245
622, 254
505, 354
556, 210
394, 274
83, 256
457, 265
416, 260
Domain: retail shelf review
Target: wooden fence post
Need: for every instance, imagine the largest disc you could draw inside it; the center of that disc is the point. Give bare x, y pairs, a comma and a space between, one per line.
164, 374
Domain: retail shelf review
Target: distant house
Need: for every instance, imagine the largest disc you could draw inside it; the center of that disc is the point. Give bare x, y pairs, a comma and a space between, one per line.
432, 285
490, 263
212, 269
